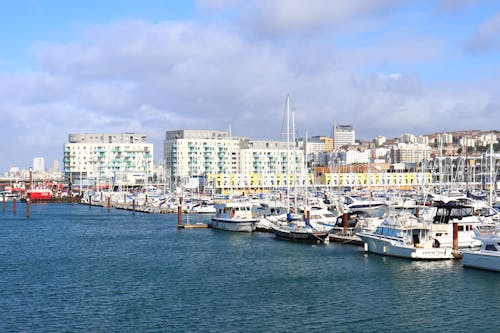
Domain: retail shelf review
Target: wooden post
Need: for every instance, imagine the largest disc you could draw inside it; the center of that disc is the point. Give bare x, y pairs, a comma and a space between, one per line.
90, 201
308, 216
14, 206
27, 208
179, 213
124, 198
3, 202
455, 236
417, 212
101, 197
133, 206
109, 204
146, 201
345, 223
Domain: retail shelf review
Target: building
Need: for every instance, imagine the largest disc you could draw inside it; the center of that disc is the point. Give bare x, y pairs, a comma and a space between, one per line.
343, 135
195, 153
410, 153
38, 164
355, 156
228, 161
108, 159
380, 140
408, 138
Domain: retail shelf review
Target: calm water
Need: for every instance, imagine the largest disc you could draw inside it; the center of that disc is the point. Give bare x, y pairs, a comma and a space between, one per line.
75, 268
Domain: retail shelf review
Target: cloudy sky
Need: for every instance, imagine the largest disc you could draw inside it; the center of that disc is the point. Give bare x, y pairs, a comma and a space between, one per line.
387, 67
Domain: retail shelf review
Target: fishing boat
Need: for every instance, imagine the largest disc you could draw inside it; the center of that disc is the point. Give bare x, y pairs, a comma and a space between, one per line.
488, 257
405, 236
234, 216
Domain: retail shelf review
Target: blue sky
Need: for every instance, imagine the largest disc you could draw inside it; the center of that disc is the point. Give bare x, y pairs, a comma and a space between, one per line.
387, 67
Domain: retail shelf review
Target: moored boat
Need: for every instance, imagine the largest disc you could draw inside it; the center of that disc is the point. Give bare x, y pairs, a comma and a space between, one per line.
488, 257
234, 216
404, 235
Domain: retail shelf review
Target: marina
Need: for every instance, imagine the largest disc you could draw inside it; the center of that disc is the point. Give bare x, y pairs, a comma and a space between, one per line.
81, 268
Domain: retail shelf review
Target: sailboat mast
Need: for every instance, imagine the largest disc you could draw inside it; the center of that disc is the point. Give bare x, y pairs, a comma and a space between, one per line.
490, 200
287, 110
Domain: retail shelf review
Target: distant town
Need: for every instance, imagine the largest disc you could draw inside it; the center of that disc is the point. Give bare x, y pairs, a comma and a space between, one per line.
217, 160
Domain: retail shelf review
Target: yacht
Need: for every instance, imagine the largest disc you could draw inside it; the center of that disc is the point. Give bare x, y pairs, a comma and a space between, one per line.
406, 236
488, 257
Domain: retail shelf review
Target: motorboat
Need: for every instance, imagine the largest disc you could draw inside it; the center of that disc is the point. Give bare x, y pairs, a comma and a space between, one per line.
234, 216
488, 256
404, 235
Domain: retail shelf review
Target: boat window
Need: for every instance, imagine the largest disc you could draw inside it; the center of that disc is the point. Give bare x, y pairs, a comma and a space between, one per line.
460, 228
490, 247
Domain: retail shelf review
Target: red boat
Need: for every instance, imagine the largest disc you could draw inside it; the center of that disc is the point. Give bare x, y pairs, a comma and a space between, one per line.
39, 194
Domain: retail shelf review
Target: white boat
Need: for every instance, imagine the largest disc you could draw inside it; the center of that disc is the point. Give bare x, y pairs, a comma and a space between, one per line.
445, 215
488, 257
352, 204
404, 235
234, 216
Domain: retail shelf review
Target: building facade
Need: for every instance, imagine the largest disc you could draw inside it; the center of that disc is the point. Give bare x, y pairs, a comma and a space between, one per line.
343, 135
103, 159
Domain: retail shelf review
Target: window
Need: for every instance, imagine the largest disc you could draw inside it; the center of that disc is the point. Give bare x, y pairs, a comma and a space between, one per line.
490, 247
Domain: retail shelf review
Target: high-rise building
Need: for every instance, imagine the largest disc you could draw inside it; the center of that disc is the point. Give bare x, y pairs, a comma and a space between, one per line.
38, 164
122, 159
343, 135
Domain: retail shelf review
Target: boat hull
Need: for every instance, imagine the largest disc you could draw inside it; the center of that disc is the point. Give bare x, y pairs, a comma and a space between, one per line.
299, 236
481, 260
234, 225
390, 248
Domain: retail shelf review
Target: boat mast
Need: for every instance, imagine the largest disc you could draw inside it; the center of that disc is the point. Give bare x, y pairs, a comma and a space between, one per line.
490, 200
287, 110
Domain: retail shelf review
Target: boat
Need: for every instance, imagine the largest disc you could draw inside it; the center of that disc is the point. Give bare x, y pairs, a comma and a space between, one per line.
349, 224
488, 256
405, 236
39, 194
299, 232
445, 215
352, 203
234, 216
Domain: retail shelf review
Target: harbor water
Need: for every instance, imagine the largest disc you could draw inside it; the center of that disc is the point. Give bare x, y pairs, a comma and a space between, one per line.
84, 269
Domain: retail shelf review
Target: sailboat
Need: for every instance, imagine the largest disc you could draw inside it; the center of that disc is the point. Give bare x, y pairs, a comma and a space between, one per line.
287, 227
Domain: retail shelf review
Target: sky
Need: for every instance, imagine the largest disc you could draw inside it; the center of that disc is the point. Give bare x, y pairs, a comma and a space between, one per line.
387, 67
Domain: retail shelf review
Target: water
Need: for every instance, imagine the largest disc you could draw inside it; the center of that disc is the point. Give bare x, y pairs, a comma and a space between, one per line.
75, 268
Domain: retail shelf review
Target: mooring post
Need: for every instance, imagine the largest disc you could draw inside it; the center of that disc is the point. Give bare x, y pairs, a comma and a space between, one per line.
109, 204
345, 223
179, 213
14, 206
455, 236
3, 202
133, 206
28, 208
90, 201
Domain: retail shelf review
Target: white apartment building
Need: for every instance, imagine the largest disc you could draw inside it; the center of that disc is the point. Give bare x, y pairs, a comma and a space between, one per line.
108, 158
486, 139
193, 153
343, 135
355, 156
270, 157
423, 139
446, 138
199, 153
410, 153
408, 138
